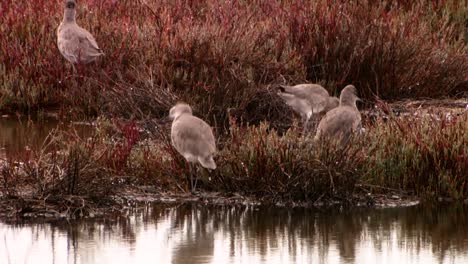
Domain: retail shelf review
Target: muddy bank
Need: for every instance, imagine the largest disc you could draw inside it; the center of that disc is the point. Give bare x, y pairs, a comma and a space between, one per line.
28, 208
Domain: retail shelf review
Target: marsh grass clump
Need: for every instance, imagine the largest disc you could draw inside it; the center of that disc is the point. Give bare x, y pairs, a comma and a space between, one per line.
71, 168
428, 155
257, 161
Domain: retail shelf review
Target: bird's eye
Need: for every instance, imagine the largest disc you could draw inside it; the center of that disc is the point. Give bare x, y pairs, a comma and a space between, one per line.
70, 5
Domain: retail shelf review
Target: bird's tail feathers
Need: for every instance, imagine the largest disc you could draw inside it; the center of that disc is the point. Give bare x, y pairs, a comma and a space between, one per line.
207, 162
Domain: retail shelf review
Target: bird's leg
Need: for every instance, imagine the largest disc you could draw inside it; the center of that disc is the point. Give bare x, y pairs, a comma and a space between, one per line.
190, 178
315, 121
305, 122
307, 117
196, 179
193, 174
78, 64
79, 67
73, 68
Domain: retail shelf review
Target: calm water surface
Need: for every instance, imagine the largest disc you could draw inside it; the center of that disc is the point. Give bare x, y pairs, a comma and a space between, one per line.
18, 136
193, 233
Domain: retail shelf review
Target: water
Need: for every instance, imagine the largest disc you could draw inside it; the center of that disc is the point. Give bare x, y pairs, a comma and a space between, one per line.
18, 136
192, 233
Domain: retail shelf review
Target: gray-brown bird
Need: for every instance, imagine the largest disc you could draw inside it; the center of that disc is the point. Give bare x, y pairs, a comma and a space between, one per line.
308, 100
192, 138
339, 123
75, 43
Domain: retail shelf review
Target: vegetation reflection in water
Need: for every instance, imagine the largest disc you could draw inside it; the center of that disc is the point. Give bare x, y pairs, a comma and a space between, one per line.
192, 233
20, 135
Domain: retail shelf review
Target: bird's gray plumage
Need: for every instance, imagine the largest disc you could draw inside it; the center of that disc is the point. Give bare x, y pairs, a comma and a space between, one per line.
192, 137
75, 43
341, 122
307, 100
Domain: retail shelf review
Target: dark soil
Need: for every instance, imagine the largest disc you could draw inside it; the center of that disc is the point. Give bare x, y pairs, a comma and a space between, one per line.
16, 208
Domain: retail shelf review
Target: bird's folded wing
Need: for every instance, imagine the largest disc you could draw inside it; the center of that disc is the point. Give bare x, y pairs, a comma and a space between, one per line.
88, 43
294, 91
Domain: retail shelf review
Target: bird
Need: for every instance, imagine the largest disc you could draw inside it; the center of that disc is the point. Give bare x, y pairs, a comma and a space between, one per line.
75, 43
307, 100
339, 123
192, 138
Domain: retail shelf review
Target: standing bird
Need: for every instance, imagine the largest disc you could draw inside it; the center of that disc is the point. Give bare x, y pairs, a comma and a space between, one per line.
192, 138
75, 43
341, 122
307, 100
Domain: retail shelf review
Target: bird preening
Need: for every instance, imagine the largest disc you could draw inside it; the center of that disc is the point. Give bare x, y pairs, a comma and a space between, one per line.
192, 138
308, 100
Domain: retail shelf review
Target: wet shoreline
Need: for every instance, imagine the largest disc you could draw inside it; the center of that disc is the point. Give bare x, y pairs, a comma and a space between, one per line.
67, 207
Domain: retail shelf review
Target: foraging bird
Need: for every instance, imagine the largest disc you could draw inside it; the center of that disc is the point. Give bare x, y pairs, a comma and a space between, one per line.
75, 43
192, 138
307, 100
341, 122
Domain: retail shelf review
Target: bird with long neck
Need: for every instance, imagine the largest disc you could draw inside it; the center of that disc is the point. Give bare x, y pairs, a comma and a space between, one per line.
341, 122
348, 97
75, 43
69, 15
